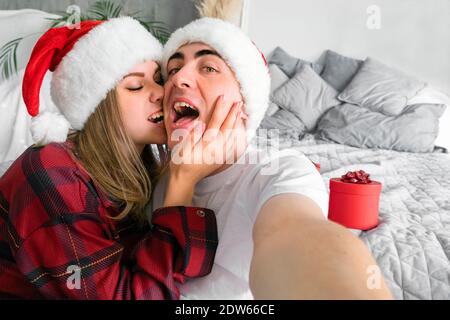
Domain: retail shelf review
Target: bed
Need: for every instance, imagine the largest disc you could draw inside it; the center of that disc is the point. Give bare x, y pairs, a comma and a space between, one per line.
348, 114
411, 244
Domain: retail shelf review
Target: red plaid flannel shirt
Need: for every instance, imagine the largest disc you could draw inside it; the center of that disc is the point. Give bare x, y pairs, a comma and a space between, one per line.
54, 226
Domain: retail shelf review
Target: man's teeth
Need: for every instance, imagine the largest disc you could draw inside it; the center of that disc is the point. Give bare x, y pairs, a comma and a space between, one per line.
180, 105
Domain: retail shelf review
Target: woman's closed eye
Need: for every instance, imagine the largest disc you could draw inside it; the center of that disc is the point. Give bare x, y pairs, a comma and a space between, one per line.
137, 88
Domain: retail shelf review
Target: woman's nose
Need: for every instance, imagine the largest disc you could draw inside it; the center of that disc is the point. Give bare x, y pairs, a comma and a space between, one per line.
156, 94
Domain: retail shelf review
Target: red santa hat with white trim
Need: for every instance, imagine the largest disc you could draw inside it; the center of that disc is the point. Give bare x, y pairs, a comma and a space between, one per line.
87, 62
241, 55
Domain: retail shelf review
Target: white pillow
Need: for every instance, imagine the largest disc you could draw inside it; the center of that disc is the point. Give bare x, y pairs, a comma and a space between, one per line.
27, 23
432, 95
15, 134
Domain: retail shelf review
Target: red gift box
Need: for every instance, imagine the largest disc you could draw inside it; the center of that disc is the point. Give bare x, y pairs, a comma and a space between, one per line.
354, 205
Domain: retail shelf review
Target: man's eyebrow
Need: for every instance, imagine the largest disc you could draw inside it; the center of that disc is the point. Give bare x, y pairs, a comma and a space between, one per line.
176, 55
135, 74
198, 54
206, 52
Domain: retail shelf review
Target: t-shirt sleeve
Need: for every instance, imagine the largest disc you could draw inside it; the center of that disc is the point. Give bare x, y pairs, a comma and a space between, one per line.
291, 173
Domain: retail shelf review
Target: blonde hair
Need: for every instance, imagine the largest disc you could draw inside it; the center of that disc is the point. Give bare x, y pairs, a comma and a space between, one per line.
226, 10
111, 158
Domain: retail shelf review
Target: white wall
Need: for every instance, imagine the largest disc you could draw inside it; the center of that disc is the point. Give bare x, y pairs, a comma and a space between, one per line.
414, 35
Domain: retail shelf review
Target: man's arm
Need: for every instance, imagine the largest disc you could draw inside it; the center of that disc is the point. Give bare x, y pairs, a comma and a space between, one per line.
298, 254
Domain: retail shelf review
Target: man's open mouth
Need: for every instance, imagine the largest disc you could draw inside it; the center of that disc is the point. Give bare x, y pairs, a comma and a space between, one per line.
156, 117
185, 111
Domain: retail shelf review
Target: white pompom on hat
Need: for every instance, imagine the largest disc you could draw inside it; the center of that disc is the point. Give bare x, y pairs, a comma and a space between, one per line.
241, 55
87, 62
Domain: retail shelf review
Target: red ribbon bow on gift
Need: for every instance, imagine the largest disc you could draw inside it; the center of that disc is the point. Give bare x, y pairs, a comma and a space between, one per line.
360, 177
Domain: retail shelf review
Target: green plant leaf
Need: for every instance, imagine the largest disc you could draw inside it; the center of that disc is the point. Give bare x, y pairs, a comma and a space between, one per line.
158, 29
8, 60
100, 10
64, 19
104, 10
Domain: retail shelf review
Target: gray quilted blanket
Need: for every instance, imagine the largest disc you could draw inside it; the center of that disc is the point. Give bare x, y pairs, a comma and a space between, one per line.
412, 242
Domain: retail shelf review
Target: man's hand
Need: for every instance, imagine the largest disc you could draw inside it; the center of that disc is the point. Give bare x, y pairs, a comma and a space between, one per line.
298, 254
204, 150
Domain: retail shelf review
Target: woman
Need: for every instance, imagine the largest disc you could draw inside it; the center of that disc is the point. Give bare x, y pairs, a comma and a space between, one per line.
73, 208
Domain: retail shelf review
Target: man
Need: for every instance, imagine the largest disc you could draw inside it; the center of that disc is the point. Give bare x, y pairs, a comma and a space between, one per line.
274, 239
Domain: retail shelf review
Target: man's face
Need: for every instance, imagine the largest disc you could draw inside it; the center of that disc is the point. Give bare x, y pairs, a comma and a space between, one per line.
197, 77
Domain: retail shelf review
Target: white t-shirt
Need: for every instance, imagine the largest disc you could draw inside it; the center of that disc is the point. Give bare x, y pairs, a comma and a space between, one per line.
236, 195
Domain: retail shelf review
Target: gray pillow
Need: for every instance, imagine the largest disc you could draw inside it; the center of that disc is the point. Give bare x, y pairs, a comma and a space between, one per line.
415, 130
287, 124
273, 107
306, 95
339, 70
289, 64
381, 88
277, 77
